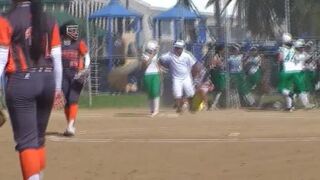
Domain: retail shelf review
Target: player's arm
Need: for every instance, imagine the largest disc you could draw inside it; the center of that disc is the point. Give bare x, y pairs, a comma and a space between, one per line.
192, 60
5, 41
146, 59
279, 56
56, 54
85, 53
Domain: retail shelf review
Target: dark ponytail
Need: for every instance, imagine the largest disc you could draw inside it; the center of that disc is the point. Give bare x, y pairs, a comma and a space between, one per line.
39, 30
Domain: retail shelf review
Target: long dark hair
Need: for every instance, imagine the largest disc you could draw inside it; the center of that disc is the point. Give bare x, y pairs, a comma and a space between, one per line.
39, 30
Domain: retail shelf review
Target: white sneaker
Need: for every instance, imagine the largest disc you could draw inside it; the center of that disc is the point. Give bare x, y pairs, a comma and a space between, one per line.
154, 114
70, 131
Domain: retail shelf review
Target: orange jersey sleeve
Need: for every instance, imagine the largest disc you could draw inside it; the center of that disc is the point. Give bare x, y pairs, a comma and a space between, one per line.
83, 48
55, 41
5, 32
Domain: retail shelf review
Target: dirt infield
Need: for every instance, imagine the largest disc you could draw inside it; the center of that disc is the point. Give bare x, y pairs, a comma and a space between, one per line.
125, 144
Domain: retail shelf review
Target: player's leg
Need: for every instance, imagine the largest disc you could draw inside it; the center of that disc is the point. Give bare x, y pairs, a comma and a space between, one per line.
189, 90
20, 98
75, 91
219, 81
243, 89
177, 89
284, 86
155, 93
44, 107
300, 85
152, 86
66, 82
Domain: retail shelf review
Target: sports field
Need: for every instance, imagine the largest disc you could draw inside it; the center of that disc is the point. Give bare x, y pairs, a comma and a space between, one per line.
125, 144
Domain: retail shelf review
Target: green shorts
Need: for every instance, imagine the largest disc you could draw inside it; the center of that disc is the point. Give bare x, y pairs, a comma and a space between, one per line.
292, 81
254, 80
310, 80
218, 78
237, 80
152, 85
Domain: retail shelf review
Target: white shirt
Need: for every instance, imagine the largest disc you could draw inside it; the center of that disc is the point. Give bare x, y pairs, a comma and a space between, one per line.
254, 63
153, 65
288, 59
300, 60
179, 66
235, 63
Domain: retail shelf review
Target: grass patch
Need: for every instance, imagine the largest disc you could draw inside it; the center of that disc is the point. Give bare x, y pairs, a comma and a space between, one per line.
114, 101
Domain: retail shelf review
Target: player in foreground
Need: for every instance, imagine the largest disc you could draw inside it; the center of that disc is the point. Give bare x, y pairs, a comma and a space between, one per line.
30, 56
291, 78
202, 85
180, 62
152, 79
76, 62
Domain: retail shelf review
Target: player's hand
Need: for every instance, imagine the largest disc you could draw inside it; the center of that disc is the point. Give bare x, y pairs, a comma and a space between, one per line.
59, 100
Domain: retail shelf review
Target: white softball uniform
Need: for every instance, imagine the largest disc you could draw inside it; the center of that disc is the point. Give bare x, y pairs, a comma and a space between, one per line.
153, 66
180, 70
289, 62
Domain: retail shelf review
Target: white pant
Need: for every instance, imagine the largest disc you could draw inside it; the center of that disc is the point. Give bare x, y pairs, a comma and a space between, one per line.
182, 85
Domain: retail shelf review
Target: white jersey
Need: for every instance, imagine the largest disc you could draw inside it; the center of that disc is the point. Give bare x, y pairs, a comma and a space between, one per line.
290, 61
300, 60
253, 64
153, 64
179, 66
235, 63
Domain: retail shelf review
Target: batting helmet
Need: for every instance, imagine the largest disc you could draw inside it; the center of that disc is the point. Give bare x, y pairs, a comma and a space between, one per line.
70, 29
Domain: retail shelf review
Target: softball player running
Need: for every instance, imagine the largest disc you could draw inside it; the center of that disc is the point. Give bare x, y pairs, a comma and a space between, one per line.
180, 63
76, 62
253, 68
217, 74
310, 68
291, 75
203, 86
30, 56
237, 78
152, 77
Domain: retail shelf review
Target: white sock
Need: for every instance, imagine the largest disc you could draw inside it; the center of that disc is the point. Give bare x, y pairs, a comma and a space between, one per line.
34, 177
288, 101
216, 99
250, 99
71, 123
304, 98
156, 104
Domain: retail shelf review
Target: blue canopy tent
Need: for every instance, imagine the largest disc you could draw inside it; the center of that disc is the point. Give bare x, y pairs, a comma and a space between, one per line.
113, 12
180, 14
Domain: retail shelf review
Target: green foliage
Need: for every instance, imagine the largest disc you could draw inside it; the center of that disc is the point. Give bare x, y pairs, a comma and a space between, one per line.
115, 101
263, 16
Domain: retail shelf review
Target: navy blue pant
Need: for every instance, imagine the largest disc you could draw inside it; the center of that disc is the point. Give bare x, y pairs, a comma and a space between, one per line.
29, 98
71, 88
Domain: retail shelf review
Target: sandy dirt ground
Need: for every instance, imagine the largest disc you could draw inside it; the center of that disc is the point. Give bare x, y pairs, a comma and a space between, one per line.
125, 144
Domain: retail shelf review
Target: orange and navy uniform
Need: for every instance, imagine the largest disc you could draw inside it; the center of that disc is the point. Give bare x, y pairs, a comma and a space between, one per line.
72, 55
73, 62
30, 85
19, 58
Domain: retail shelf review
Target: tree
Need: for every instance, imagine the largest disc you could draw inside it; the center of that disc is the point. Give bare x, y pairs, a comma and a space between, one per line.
264, 17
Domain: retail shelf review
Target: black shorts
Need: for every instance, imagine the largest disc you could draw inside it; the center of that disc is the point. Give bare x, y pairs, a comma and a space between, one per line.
29, 98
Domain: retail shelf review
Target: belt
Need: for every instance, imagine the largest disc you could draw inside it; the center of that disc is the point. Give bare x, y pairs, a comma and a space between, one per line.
40, 69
